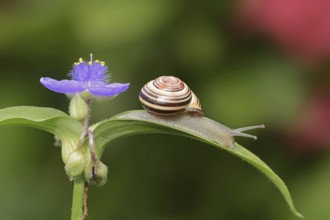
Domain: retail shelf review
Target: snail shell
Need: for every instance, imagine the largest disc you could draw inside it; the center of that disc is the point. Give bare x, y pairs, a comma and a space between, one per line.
168, 95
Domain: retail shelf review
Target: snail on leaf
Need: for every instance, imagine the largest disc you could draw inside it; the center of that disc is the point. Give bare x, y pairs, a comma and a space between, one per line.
169, 98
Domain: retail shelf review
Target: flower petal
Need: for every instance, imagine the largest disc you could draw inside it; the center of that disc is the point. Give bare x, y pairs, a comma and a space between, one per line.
62, 86
109, 90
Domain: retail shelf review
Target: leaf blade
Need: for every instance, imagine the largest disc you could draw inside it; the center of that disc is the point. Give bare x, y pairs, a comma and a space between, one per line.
201, 128
47, 119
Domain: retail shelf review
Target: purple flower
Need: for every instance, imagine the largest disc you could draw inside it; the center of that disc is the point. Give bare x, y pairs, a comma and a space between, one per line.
86, 76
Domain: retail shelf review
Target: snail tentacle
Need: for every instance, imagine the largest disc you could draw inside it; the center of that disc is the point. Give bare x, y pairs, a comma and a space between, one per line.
238, 131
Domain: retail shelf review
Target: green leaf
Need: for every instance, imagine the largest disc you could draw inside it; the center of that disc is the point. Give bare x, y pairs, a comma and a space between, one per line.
48, 119
199, 128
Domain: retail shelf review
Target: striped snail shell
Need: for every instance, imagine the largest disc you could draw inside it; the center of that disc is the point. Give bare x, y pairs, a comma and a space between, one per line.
168, 95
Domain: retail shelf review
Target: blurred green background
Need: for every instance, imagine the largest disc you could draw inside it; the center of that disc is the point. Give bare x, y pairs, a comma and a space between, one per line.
240, 81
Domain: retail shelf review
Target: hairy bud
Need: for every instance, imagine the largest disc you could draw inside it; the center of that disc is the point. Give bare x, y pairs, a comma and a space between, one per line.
78, 108
75, 165
96, 173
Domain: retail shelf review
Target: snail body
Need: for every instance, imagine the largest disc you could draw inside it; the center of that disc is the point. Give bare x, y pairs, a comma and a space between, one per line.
168, 95
198, 126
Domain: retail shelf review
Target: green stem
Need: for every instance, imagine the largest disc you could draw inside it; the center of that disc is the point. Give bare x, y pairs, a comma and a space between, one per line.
77, 200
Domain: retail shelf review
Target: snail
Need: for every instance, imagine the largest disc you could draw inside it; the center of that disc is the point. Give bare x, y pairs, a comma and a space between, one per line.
170, 96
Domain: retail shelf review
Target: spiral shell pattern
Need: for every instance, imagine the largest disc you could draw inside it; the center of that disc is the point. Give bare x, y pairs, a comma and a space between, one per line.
167, 95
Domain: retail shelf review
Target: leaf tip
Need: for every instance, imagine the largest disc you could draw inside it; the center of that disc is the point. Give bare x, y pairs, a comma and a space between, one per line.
299, 215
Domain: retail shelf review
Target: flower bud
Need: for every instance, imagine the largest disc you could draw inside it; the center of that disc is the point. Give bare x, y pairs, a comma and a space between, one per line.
75, 165
78, 108
96, 173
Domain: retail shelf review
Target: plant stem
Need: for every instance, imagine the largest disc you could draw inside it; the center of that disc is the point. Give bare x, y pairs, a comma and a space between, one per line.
80, 188
77, 200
